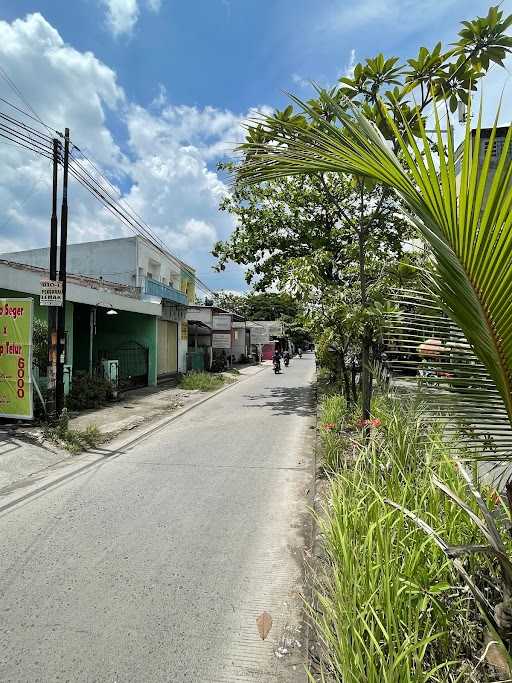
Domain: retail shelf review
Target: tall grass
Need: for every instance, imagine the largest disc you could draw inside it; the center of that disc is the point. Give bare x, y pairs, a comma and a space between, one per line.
333, 415
389, 608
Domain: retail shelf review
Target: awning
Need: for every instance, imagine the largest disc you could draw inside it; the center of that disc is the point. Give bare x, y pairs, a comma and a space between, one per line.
199, 323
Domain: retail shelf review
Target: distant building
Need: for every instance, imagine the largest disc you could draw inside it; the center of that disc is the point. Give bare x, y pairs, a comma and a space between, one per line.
497, 147
211, 336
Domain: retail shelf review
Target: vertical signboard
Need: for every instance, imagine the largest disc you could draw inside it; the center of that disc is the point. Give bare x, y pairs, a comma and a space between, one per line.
16, 358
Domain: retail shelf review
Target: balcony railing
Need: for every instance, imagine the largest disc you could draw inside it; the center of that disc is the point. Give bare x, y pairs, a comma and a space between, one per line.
155, 288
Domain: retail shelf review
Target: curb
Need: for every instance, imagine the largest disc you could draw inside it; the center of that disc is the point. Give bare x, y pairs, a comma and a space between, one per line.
75, 468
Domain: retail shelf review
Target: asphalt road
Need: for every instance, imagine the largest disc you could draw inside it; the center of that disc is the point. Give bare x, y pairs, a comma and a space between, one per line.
154, 564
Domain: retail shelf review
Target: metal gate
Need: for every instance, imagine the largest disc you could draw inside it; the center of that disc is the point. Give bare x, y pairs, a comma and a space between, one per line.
133, 364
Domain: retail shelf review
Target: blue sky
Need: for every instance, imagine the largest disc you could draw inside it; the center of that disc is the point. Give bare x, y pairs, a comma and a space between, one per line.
156, 91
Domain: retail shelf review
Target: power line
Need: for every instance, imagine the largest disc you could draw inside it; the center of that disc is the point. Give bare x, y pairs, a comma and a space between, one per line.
18, 92
35, 141
154, 239
25, 199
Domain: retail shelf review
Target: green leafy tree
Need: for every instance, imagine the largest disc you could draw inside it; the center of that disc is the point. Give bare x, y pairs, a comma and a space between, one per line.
259, 305
393, 95
325, 228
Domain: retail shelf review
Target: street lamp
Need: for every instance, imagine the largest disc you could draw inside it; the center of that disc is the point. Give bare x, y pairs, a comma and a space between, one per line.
111, 310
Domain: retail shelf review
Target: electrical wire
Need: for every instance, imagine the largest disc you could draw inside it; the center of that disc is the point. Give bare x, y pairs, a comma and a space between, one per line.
154, 239
26, 136
18, 92
146, 230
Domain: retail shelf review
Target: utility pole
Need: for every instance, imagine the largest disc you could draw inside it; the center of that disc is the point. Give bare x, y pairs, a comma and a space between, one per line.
61, 319
52, 310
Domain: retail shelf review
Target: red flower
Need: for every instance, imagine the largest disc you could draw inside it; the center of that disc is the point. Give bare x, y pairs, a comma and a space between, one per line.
375, 422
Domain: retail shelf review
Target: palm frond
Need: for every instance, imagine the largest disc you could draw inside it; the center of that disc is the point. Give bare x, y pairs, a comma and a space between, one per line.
465, 218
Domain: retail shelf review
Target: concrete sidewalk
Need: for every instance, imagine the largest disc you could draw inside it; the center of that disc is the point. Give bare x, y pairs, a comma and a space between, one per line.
144, 405
25, 453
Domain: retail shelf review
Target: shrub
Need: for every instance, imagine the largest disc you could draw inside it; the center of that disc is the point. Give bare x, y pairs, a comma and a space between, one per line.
88, 392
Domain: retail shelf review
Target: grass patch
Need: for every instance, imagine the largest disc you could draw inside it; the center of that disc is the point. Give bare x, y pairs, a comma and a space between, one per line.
73, 440
204, 381
389, 607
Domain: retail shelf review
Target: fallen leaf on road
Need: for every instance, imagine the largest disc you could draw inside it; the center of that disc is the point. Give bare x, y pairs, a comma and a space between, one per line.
264, 624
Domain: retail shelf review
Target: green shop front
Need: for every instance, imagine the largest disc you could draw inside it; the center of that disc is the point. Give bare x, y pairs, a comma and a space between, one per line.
104, 326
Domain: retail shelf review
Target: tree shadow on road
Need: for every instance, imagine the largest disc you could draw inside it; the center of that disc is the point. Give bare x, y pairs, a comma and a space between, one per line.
284, 401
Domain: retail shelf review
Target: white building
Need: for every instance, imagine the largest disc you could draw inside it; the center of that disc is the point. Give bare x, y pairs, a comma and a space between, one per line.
159, 277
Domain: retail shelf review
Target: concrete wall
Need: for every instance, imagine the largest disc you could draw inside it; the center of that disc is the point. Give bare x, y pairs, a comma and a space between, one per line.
126, 260
162, 268
113, 260
240, 342
182, 346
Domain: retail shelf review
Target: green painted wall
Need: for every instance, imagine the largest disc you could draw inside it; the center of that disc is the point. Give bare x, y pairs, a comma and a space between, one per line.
41, 313
113, 330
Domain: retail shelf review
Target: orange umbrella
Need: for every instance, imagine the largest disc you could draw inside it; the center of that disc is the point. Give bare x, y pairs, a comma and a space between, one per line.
430, 348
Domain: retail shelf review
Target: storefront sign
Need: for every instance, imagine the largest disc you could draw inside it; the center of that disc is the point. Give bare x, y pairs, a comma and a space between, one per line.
51, 293
221, 340
184, 330
221, 322
16, 358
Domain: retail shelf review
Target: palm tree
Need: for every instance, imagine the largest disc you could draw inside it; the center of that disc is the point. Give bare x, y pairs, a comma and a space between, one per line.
466, 219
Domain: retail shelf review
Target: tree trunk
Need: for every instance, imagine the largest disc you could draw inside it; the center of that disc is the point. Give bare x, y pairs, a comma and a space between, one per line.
354, 385
346, 378
366, 374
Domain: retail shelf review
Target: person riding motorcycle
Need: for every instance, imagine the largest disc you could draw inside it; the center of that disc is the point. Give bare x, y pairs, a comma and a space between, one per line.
276, 361
286, 357
299, 351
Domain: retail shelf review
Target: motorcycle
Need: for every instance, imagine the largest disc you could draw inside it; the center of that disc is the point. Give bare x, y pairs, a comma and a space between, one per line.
286, 362
277, 367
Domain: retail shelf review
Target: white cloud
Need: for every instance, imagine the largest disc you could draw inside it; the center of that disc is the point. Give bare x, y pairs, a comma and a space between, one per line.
403, 15
349, 71
122, 15
161, 99
296, 78
167, 171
